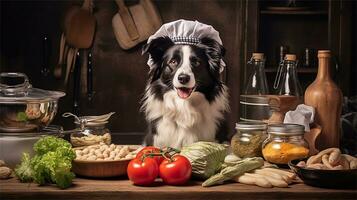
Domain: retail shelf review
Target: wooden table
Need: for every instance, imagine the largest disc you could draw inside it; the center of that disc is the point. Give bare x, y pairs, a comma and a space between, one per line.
123, 189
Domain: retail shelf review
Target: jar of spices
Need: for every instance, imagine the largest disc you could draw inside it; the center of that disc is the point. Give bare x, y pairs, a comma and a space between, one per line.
247, 142
285, 142
90, 130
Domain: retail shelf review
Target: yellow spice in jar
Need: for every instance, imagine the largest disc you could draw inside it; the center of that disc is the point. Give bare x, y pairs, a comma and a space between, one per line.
282, 153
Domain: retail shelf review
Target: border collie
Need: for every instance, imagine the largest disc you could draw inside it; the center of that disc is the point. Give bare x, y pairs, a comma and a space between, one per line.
184, 99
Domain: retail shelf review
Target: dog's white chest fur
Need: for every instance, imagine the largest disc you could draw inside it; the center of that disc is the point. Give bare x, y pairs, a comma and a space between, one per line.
184, 121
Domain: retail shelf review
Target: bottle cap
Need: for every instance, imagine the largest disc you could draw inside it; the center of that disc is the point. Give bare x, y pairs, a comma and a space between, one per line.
291, 57
258, 56
324, 54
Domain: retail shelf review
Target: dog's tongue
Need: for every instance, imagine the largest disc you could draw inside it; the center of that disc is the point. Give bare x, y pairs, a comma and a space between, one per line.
184, 93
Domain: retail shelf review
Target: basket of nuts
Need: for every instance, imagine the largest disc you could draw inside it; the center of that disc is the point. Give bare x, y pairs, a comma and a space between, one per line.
102, 160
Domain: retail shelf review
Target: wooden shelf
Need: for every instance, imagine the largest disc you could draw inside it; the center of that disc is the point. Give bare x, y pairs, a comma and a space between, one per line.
293, 12
311, 70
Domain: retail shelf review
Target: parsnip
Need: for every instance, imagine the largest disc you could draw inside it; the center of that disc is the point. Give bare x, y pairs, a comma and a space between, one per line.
344, 162
318, 158
334, 157
260, 180
250, 180
352, 160
274, 181
283, 172
326, 162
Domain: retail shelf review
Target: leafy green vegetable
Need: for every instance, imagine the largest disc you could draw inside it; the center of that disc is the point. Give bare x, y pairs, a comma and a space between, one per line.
206, 158
24, 171
49, 143
230, 171
51, 164
21, 116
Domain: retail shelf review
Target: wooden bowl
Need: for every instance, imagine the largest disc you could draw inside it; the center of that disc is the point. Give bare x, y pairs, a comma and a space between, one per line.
101, 169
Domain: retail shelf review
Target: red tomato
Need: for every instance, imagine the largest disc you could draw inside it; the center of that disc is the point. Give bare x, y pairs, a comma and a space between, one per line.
175, 172
143, 172
150, 149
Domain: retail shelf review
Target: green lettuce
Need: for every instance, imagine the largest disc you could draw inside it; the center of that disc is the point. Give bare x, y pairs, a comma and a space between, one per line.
206, 158
52, 163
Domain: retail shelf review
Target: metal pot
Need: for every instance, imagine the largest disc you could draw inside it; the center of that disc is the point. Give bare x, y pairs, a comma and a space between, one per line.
13, 145
23, 108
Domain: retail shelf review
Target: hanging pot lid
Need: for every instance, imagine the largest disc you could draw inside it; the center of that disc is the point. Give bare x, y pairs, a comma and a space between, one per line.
23, 92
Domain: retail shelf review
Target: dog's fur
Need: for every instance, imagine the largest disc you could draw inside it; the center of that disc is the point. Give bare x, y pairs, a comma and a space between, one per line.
194, 116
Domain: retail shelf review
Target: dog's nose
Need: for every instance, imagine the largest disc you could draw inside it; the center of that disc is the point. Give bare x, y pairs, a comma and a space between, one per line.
183, 78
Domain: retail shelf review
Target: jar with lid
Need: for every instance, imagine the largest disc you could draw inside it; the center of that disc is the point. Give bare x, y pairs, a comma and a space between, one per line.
285, 142
247, 142
90, 130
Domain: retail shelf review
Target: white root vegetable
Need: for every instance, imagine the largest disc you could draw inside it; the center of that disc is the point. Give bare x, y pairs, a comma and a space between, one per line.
246, 179
344, 162
275, 182
318, 158
326, 162
282, 172
272, 175
317, 166
259, 180
334, 157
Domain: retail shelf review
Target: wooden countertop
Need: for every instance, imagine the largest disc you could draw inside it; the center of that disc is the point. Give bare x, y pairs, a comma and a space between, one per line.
123, 189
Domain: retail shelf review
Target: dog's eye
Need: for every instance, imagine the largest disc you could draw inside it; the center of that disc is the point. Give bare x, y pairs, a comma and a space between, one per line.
196, 63
172, 62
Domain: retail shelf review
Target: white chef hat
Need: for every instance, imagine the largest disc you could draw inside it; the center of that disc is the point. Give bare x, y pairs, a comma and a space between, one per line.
186, 32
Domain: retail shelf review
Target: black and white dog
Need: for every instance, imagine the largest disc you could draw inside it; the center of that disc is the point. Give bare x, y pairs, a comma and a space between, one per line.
184, 99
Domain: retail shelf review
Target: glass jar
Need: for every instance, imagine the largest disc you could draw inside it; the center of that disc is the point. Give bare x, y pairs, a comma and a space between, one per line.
247, 142
91, 134
90, 130
285, 142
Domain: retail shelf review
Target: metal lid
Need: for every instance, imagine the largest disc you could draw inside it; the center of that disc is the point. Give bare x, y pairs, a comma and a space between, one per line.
84, 121
251, 126
24, 93
286, 129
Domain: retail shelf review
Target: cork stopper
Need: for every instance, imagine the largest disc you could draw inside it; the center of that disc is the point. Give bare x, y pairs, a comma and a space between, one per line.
291, 57
258, 56
324, 54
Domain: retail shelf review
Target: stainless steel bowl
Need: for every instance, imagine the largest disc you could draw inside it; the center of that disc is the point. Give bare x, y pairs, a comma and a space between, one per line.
13, 145
23, 108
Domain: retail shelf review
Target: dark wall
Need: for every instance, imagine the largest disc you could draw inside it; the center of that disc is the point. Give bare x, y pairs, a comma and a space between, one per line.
119, 76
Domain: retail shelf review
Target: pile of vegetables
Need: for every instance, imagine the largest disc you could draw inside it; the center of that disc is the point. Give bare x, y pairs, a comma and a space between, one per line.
51, 163
151, 162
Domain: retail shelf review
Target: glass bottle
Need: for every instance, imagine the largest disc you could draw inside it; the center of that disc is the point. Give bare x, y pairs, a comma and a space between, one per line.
257, 81
287, 81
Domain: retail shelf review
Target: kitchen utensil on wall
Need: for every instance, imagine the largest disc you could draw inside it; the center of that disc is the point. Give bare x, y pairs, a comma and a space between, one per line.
134, 24
90, 92
23, 108
326, 97
63, 48
257, 81
45, 55
77, 83
286, 80
80, 26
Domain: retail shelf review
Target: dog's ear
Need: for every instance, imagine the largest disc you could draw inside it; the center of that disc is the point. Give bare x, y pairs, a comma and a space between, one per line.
214, 52
157, 47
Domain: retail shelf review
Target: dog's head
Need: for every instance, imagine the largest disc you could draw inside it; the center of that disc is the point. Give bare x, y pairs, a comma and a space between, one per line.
185, 68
